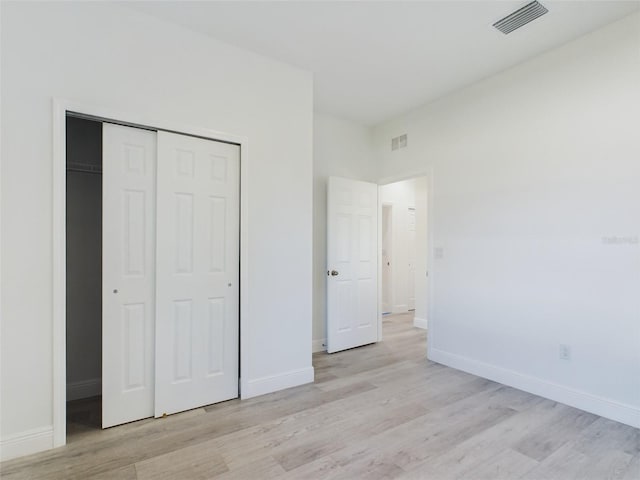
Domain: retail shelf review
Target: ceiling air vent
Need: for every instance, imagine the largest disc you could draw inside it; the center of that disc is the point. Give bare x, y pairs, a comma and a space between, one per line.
520, 17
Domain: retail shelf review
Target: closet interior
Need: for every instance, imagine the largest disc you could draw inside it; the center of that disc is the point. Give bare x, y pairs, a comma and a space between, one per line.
84, 273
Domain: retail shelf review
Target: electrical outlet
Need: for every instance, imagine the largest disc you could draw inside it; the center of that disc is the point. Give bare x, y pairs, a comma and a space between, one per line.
565, 352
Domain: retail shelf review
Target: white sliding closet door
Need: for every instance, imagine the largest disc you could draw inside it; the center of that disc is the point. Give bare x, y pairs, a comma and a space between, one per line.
128, 273
197, 295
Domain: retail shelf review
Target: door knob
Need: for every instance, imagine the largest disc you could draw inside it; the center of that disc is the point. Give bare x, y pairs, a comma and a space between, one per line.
334, 273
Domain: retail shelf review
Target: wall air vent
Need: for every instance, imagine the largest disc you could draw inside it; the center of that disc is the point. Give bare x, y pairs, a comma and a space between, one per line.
520, 17
399, 142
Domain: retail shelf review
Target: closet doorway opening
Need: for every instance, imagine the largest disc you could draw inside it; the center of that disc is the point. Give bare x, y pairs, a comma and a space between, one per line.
148, 251
84, 274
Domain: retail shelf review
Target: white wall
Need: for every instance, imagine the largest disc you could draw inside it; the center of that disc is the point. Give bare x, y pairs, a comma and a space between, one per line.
402, 196
108, 56
532, 169
340, 149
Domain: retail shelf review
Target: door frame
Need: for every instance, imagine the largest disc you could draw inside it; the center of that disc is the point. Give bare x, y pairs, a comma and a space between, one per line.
428, 172
61, 107
390, 206
415, 223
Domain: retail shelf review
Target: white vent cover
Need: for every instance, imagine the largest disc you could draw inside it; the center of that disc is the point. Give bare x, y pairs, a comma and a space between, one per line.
520, 17
399, 142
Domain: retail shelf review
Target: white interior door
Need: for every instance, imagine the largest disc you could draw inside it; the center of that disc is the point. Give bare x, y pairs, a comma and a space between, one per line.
352, 254
197, 327
128, 273
411, 252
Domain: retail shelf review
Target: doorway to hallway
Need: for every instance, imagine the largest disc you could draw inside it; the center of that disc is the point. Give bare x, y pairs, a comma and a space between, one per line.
404, 249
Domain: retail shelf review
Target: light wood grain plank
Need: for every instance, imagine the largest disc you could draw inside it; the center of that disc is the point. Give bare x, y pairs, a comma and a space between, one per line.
560, 427
196, 463
380, 411
506, 465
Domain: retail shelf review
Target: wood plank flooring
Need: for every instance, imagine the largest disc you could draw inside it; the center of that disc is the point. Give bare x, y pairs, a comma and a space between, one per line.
376, 412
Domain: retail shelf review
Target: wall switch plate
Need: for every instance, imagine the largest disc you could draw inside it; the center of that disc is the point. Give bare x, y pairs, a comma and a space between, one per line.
438, 252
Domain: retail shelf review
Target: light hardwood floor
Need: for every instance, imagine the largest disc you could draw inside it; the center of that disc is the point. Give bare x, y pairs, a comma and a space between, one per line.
381, 411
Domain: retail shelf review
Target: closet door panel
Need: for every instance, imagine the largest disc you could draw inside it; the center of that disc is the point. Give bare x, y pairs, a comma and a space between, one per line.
197, 293
128, 274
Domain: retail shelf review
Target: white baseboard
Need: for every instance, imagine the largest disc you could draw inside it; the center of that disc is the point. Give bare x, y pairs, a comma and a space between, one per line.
273, 383
319, 345
26, 443
420, 322
402, 308
84, 389
604, 407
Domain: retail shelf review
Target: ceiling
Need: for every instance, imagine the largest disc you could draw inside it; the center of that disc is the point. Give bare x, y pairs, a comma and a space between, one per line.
373, 60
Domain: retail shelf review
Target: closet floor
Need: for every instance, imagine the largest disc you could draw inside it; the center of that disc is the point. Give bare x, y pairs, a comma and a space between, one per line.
83, 415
